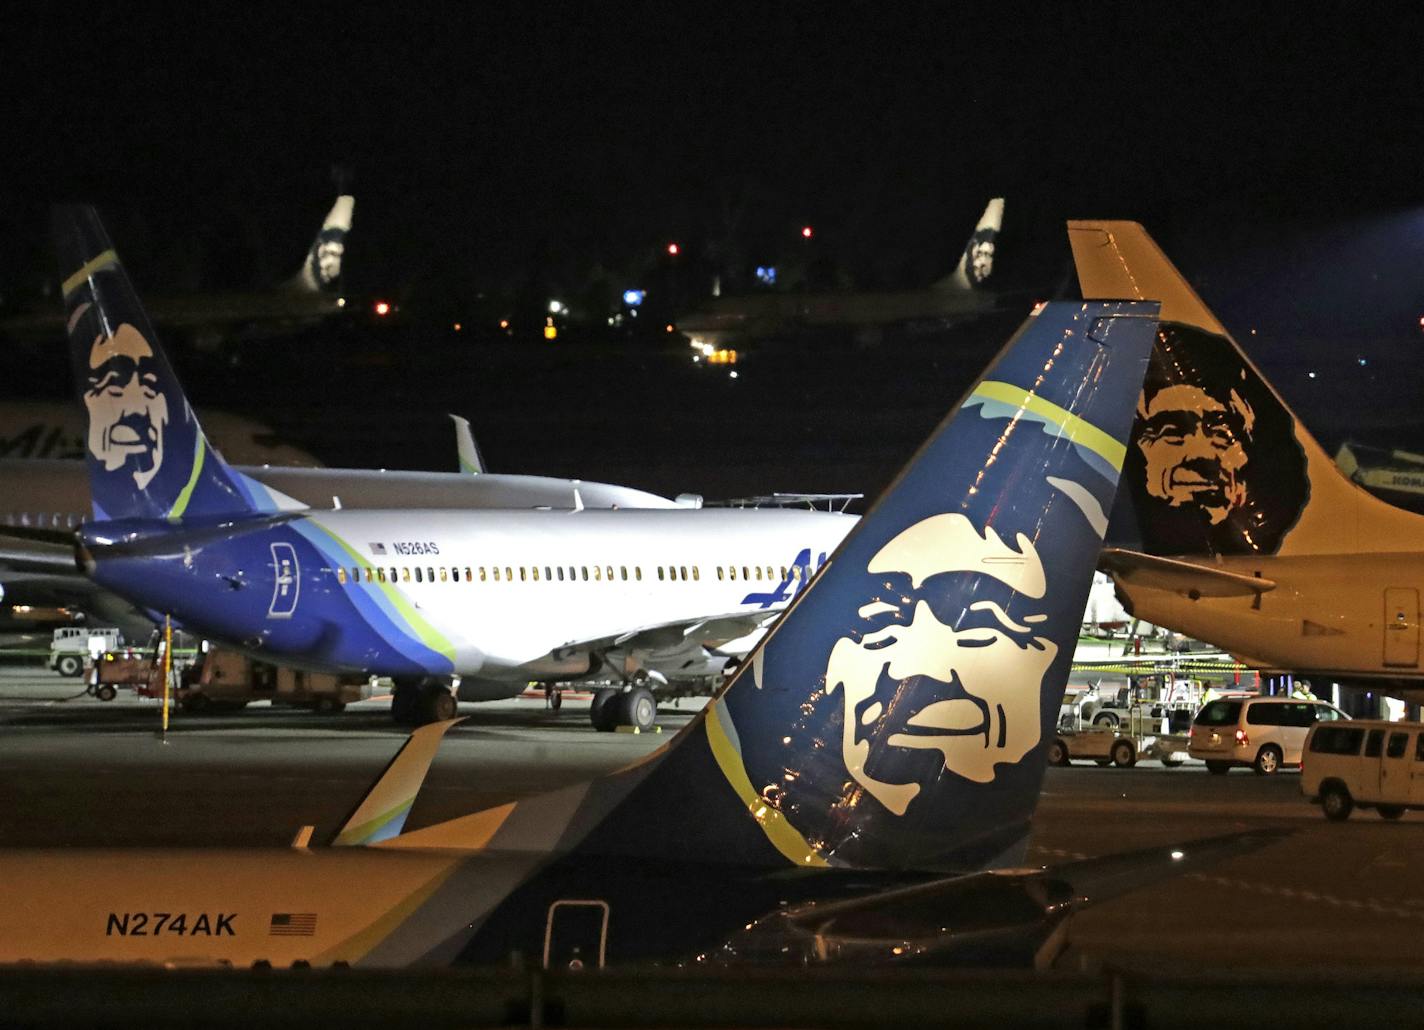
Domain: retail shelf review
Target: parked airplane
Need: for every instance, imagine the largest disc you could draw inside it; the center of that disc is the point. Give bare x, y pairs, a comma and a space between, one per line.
1251, 537
725, 321
444, 601
831, 804
310, 294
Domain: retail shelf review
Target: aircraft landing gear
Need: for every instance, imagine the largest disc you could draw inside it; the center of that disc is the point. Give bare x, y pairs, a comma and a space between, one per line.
417, 702
631, 706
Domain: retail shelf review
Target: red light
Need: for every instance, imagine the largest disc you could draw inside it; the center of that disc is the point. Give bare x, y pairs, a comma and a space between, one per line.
674, 249
807, 232
1241, 738
382, 308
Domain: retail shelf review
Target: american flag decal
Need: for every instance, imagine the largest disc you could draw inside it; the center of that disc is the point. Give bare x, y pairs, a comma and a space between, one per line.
378, 548
292, 924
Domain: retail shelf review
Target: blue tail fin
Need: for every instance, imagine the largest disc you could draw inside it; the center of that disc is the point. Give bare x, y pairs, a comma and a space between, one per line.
147, 455
899, 714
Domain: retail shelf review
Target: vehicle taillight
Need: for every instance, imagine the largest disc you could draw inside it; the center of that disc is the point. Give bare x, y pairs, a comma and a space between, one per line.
1242, 739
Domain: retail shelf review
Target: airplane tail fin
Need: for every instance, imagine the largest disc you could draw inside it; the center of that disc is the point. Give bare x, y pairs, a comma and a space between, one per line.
471, 461
147, 454
900, 712
1219, 464
976, 264
321, 271
380, 815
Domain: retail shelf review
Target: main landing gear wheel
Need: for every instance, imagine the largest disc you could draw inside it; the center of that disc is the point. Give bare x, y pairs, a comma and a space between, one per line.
69, 665
638, 708
603, 709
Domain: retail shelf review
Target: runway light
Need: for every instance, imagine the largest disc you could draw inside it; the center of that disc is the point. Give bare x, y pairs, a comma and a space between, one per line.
457, 327
669, 328
732, 374
1311, 375
1177, 856
382, 308
341, 302
504, 323
807, 232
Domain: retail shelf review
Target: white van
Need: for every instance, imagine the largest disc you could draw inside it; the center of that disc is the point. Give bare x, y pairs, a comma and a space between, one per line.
1365, 762
1265, 733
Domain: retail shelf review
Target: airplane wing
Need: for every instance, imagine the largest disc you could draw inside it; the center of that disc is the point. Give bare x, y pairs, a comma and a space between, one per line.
1182, 577
708, 631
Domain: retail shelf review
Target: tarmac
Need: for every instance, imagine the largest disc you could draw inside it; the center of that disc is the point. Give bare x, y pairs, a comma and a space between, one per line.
76, 772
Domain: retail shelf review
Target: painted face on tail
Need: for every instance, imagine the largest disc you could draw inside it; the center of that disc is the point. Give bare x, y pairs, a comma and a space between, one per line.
128, 413
981, 256
1195, 446
326, 259
978, 681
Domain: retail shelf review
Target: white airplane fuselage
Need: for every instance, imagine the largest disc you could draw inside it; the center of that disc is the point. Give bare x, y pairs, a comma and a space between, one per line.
506, 596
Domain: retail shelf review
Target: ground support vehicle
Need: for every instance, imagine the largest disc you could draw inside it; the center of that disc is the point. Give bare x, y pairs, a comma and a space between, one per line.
225, 680
139, 671
73, 647
1108, 746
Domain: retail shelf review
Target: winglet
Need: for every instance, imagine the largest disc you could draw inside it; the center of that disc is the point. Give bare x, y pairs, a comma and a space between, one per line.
381, 814
471, 461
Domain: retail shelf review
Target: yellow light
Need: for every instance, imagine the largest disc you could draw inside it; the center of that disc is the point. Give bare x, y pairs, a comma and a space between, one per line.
458, 327
504, 323
669, 328
551, 331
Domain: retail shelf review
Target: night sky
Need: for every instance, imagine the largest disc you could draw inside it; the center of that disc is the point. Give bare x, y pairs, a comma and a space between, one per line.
481, 138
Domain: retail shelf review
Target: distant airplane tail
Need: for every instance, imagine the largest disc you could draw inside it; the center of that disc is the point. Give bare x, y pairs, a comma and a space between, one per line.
321, 271
147, 454
1219, 464
900, 712
472, 463
976, 264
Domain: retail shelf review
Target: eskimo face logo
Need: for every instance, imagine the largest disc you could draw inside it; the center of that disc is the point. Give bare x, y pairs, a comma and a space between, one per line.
1205, 420
326, 257
127, 411
980, 256
983, 674
1194, 445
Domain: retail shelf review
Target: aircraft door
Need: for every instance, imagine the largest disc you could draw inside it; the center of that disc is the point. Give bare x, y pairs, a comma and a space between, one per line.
576, 934
1401, 627
286, 581
1396, 768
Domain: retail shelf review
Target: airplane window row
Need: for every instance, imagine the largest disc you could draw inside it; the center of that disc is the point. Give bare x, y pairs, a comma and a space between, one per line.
551, 573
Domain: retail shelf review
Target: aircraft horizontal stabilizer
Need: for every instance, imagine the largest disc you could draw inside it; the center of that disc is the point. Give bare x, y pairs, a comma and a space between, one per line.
1182, 577
381, 814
